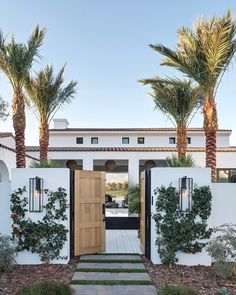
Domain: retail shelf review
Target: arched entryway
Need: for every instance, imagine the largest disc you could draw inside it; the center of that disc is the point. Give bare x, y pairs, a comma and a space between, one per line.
4, 173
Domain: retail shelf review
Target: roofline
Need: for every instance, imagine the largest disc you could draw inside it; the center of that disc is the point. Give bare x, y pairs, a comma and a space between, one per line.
112, 130
14, 151
6, 134
126, 149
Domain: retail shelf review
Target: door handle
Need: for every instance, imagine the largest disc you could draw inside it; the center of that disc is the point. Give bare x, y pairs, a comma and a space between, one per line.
104, 212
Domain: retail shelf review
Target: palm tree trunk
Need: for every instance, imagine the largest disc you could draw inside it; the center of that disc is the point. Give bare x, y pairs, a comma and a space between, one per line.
18, 117
43, 140
181, 141
210, 127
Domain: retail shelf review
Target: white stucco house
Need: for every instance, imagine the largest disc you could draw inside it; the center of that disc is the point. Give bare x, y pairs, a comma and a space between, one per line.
131, 150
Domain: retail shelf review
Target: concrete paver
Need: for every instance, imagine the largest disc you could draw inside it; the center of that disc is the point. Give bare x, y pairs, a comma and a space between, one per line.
110, 276
99, 265
114, 290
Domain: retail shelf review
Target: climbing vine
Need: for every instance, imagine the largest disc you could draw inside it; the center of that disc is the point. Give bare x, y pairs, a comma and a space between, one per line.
178, 231
47, 236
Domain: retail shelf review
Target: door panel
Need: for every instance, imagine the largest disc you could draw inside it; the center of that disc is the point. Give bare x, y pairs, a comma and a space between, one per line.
89, 219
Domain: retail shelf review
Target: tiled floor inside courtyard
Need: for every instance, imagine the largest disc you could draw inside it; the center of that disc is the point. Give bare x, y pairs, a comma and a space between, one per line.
122, 241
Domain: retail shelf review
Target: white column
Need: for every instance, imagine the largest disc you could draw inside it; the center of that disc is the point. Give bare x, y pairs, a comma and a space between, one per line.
133, 171
88, 164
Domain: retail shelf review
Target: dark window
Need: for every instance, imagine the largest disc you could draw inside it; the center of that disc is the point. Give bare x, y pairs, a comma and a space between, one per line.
140, 140
94, 140
125, 140
189, 140
171, 140
79, 140
226, 175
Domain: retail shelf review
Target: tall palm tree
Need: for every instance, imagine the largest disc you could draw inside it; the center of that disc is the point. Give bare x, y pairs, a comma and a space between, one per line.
48, 95
16, 60
179, 101
204, 54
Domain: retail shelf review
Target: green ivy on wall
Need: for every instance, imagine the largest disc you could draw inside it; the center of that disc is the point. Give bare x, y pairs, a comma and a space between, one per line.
47, 236
178, 231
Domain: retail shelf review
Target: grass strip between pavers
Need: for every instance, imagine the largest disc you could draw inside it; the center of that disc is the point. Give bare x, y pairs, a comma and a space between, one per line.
110, 261
111, 282
111, 270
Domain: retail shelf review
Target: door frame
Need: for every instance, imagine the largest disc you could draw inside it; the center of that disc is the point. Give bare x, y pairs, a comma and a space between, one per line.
72, 212
148, 216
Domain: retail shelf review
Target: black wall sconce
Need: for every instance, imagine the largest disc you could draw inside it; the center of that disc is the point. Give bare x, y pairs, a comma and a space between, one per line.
36, 194
185, 191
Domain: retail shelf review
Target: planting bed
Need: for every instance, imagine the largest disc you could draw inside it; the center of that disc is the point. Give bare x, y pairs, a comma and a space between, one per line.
200, 278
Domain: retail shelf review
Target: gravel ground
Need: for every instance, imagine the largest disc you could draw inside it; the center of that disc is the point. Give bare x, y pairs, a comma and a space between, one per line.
197, 277
23, 275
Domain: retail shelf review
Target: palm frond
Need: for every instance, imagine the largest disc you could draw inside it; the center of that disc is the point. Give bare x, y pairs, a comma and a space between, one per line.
177, 99
203, 53
47, 92
183, 161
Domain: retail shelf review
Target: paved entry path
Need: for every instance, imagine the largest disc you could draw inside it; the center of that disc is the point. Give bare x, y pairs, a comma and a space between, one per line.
101, 274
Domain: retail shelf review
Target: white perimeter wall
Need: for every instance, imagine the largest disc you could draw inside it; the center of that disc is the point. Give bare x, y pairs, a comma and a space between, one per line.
5, 213
223, 206
167, 176
52, 179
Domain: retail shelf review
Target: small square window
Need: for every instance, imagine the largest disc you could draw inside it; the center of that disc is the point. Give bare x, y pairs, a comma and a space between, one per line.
172, 140
189, 140
125, 140
140, 140
94, 140
79, 140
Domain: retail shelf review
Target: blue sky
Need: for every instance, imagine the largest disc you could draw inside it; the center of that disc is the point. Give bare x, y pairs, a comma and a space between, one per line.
105, 46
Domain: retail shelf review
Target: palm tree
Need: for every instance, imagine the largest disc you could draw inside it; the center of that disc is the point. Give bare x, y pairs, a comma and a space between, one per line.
48, 95
179, 101
16, 60
204, 54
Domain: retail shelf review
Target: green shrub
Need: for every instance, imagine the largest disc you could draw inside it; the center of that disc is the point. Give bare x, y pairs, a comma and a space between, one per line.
177, 290
223, 269
7, 253
46, 288
223, 247
134, 199
184, 161
45, 164
223, 291
223, 250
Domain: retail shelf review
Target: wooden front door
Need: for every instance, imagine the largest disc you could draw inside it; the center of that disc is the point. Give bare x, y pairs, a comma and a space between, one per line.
143, 210
89, 219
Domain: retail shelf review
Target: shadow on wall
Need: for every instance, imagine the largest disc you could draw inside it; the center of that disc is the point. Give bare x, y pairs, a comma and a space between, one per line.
4, 173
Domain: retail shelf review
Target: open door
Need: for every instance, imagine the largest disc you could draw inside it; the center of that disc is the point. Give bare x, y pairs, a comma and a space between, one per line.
89, 212
145, 216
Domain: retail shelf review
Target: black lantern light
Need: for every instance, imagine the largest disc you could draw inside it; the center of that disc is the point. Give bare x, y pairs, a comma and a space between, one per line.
185, 191
36, 194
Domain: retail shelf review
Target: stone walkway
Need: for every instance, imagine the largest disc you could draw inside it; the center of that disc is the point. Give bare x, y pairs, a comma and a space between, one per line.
112, 275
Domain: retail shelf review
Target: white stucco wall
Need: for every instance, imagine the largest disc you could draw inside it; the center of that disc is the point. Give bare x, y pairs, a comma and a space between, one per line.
5, 213
52, 178
167, 176
223, 206
114, 139
224, 203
